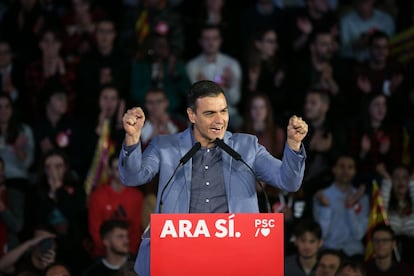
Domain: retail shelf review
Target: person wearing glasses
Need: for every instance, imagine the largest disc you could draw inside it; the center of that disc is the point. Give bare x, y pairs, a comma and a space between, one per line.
384, 263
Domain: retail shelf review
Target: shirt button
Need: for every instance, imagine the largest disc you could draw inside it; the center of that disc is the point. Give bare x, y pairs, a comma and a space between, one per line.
207, 200
208, 150
206, 167
207, 183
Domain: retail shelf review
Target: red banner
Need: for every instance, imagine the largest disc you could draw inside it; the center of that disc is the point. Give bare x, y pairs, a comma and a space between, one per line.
217, 244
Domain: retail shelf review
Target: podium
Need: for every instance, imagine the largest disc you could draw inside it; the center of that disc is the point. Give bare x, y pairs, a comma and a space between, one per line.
217, 244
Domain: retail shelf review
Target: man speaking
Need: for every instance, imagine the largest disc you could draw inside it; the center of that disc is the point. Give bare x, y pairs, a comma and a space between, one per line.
207, 169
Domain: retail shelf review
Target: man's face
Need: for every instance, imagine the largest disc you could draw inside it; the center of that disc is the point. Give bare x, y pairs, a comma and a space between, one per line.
308, 245
320, 5
315, 108
117, 241
344, 170
328, 265
383, 244
58, 270
380, 50
349, 271
323, 47
50, 45
114, 169
210, 41
156, 104
210, 119
364, 7
105, 34
5, 55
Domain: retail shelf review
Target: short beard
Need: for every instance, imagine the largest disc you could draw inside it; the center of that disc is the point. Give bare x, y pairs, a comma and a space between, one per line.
118, 252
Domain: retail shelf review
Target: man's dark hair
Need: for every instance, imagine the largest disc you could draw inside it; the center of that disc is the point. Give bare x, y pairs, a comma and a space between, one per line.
308, 226
209, 26
353, 265
201, 89
332, 252
316, 33
383, 228
324, 94
377, 35
109, 225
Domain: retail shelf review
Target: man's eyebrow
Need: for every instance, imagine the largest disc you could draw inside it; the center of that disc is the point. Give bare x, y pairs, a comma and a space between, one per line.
213, 111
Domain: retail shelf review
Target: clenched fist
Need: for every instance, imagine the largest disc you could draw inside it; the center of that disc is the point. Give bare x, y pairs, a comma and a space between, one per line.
296, 131
133, 121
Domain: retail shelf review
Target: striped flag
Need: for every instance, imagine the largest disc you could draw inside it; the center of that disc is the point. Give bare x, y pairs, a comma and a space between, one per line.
377, 216
142, 26
402, 46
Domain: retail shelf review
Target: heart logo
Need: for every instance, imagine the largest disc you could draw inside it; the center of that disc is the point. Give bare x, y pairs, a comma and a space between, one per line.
265, 231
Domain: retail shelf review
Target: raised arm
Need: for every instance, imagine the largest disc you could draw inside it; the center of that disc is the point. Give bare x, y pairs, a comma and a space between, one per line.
133, 121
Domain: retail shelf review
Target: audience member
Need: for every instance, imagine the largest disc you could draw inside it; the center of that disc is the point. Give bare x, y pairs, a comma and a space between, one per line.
57, 269
16, 144
357, 25
324, 142
159, 121
265, 70
308, 240
215, 12
375, 139
21, 25
157, 17
114, 236
213, 65
102, 137
262, 13
79, 25
397, 191
58, 201
11, 76
329, 262
106, 63
30, 257
315, 15
316, 70
378, 74
56, 129
11, 213
343, 215
259, 121
115, 201
351, 268
51, 66
384, 263
155, 71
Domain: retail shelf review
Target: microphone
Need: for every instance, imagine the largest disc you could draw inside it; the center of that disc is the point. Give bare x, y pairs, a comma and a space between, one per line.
183, 161
220, 143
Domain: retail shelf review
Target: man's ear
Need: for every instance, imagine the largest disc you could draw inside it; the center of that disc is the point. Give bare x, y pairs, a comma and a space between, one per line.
105, 242
191, 115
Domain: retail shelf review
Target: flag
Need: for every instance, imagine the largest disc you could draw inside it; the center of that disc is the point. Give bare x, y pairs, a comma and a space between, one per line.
402, 46
377, 216
98, 171
142, 26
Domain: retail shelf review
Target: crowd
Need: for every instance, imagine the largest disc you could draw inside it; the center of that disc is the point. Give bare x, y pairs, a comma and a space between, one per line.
69, 69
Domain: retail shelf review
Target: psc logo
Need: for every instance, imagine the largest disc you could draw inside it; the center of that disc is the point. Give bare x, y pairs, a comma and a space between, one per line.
263, 227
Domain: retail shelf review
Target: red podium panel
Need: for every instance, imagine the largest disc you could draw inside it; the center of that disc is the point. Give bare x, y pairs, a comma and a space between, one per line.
217, 244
